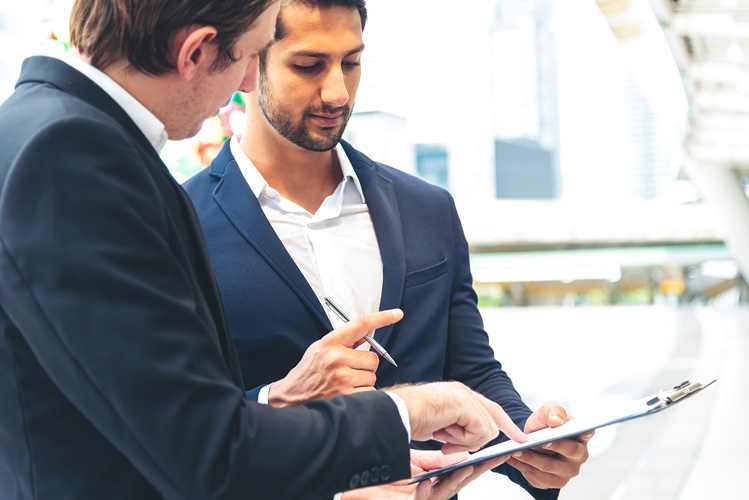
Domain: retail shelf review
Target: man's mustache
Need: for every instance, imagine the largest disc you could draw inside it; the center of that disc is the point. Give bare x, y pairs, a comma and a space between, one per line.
328, 110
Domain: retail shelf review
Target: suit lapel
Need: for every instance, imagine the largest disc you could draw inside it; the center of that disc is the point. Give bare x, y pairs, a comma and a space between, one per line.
241, 207
379, 193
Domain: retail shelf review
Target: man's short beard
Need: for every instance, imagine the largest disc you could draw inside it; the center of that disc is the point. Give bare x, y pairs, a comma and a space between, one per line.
297, 133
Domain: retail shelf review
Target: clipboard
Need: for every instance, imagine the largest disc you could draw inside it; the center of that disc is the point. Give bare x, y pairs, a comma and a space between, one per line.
606, 416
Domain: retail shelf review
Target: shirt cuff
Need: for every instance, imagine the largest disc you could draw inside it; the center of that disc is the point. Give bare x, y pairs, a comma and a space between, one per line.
403, 412
262, 396
338, 496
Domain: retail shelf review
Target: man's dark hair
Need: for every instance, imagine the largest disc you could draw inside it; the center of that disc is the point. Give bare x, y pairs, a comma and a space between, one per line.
360, 5
143, 31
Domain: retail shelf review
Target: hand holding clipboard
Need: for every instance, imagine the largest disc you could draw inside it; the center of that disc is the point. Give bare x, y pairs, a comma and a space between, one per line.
620, 413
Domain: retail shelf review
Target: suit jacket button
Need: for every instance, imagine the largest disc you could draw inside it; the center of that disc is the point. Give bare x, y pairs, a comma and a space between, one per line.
374, 475
385, 472
365, 478
354, 481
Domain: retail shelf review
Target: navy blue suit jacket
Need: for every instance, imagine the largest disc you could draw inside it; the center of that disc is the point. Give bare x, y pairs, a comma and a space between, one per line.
274, 315
118, 375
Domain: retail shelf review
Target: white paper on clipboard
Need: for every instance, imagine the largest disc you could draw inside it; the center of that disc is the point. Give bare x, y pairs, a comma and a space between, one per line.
603, 417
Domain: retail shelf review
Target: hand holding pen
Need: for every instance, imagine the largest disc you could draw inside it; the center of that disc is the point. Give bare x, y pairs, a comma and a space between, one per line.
332, 366
345, 318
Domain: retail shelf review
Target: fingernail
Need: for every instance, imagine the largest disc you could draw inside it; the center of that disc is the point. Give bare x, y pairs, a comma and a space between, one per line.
557, 418
518, 454
547, 446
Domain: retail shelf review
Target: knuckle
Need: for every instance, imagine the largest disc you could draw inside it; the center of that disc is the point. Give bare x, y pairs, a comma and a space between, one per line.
372, 360
546, 464
335, 357
360, 322
340, 377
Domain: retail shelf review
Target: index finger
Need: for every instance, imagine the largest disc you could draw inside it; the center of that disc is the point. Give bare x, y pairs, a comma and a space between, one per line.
357, 328
503, 421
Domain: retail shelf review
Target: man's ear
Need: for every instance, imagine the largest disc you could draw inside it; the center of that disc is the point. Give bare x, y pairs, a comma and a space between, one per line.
194, 50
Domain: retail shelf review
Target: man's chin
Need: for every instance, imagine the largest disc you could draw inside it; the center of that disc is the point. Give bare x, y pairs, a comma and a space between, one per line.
324, 142
318, 147
191, 132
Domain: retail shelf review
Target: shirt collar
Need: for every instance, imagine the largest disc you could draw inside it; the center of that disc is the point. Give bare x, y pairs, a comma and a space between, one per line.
348, 170
259, 185
151, 126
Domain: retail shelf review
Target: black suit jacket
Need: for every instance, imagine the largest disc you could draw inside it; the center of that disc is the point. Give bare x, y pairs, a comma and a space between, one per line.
426, 273
118, 376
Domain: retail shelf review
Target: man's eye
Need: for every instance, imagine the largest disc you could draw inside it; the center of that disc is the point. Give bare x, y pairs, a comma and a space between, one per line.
351, 64
302, 68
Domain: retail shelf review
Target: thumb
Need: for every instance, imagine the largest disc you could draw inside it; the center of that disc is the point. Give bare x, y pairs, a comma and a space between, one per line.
357, 328
549, 415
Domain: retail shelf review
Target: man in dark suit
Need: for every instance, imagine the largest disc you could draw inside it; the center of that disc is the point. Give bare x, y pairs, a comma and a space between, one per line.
308, 216
118, 375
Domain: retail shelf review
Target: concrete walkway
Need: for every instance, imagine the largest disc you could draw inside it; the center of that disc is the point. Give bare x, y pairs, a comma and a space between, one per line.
583, 356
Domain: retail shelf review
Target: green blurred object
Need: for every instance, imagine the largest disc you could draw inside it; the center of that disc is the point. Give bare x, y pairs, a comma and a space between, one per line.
491, 295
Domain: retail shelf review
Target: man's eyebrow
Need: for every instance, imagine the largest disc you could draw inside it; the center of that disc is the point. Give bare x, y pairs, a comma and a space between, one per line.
324, 55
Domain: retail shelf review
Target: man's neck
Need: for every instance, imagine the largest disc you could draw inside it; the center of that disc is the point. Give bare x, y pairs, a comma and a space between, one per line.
299, 175
111, 82
145, 89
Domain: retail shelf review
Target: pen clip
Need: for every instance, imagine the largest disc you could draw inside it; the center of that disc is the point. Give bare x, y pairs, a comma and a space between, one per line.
337, 310
680, 391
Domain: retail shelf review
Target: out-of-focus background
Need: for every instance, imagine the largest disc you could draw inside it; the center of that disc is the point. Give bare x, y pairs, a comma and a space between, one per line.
598, 153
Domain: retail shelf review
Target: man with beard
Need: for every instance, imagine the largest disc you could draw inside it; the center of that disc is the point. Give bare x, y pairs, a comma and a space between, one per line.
309, 217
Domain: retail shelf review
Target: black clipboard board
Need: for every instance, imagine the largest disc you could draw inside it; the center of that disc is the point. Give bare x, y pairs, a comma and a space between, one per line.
608, 416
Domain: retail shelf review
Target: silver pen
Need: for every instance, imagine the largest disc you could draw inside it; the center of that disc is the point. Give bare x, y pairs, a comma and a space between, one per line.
375, 345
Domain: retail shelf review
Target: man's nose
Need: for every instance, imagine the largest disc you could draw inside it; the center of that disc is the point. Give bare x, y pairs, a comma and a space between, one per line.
334, 92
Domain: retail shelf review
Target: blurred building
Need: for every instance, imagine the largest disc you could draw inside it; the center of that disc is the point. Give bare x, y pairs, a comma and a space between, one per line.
523, 58
522, 74
559, 128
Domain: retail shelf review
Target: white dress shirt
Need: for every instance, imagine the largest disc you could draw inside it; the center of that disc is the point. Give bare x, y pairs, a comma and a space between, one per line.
335, 248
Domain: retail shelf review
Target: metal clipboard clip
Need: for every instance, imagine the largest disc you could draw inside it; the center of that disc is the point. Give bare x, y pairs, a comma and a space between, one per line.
678, 393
